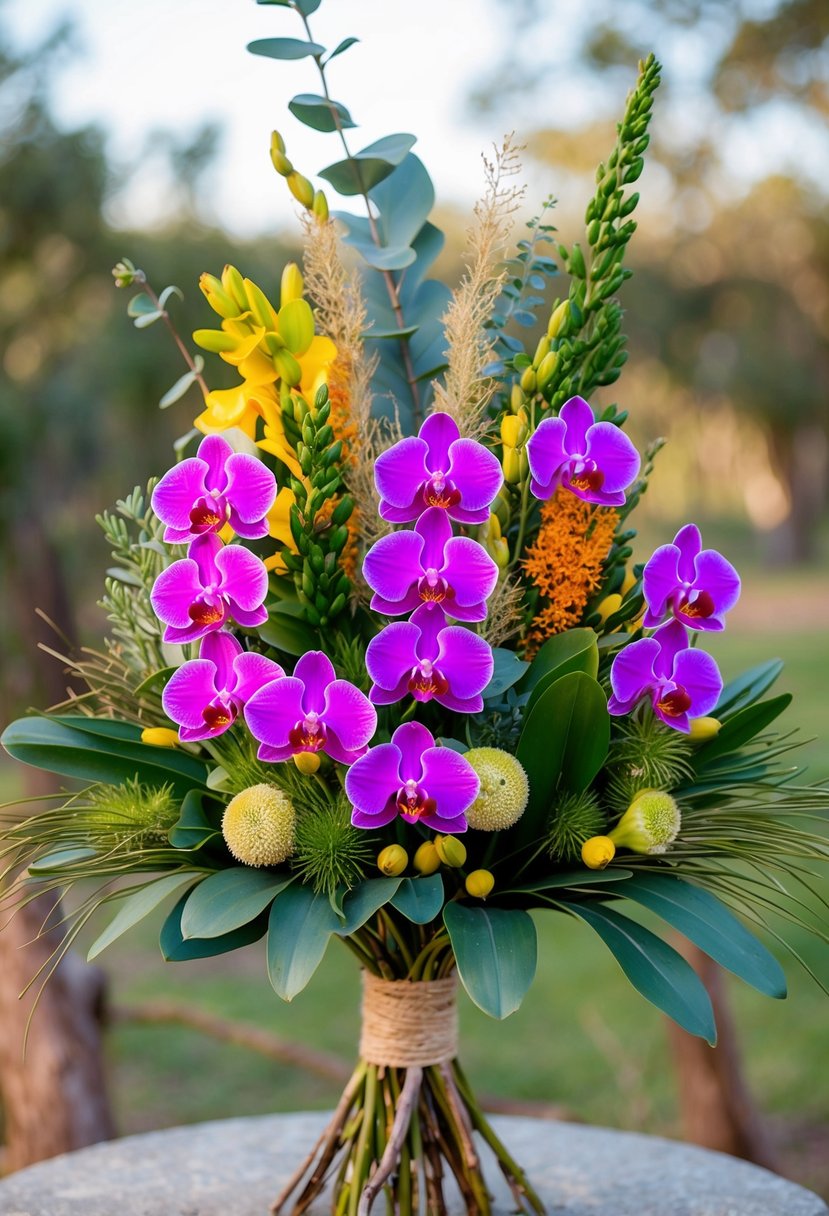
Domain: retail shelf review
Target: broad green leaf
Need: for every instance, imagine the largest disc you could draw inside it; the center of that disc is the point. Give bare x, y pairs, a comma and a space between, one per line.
748, 687
564, 742
134, 905
175, 949
141, 305
496, 951
229, 899
364, 170
97, 750
316, 112
285, 48
193, 828
655, 969
740, 728
508, 670
404, 201
287, 632
341, 46
362, 901
299, 928
709, 924
419, 899
570, 878
575, 650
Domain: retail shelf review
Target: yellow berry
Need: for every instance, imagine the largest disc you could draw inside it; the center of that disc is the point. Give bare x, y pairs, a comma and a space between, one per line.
392, 860
597, 852
426, 860
451, 851
479, 883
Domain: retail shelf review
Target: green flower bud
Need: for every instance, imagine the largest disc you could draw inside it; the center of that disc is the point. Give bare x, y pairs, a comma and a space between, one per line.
451, 851
649, 825
320, 207
301, 189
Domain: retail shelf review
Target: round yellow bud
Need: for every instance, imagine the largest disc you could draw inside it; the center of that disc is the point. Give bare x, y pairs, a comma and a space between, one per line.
504, 792
307, 762
649, 825
320, 207
597, 852
703, 729
258, 826
528, 381
480, 883
451, 851
426, 860
159, 736
558, 319
292, 286
392, 860
301, 189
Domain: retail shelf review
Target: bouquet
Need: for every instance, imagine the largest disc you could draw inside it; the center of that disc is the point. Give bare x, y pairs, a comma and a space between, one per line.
380, 668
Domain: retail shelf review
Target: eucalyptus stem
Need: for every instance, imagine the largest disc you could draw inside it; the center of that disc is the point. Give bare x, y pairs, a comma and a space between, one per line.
166, 318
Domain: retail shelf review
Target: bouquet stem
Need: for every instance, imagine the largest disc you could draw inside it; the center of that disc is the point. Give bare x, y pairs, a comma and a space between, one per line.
404, 1131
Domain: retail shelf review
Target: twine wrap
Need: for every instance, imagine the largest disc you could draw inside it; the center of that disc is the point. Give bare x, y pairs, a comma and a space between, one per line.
409, 1024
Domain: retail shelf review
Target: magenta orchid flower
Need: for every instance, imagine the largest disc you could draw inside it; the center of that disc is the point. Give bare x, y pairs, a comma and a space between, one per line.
216, 487
430, 566
215, 583
311, 711
428, 658
698, 586
413, 778
681, 683
594, 460
205, 695
436, 468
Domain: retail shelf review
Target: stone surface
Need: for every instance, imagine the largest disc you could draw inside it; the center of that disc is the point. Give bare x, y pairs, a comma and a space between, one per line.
234, 1168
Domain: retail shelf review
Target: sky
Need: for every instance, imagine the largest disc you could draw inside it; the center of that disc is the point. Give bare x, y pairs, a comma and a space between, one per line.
143, 65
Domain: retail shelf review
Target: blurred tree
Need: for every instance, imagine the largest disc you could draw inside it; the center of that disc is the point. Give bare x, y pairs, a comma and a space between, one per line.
732, 294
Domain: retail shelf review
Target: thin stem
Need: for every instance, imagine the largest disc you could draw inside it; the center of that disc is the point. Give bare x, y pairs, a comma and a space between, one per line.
403, 1116
388, 278
185, 354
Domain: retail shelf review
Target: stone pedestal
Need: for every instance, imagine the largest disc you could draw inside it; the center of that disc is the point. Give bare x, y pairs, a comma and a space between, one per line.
235, 1167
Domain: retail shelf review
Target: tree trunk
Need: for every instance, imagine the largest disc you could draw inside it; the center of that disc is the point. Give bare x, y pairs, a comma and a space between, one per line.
716, 1108
800, 461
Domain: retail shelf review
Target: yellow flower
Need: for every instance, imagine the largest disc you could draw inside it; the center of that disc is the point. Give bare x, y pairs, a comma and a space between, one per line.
258, 826
159, 736
236, 407
315, 363
649, 825
504, 792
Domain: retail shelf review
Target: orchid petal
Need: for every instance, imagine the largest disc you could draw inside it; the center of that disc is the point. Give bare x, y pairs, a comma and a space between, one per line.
340, 754
350, 714
392, 653
244, 578
203, 551
632, 672
388, 696
470, 571
188, 691
699, 675
175, 589
465, 659
718, 577
689, 542
361, 819
438, 823
578, 418
316, 671
178, 490
460, 705
254, 671
222, 650
546, 454
251, 487
400, 470
430, 619
440, 431
435, 529
411, 740
477, 474
392, 565
373, 780
273, 712
402, 515
660, 579
215, 451
615, 457
450, 779
671, 638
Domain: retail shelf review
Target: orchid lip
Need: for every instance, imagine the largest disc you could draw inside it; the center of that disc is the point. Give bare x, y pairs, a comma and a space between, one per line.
702, 605
202, 613
219, 716
674, 703
309, 734
207, 515
414, 802
426, 681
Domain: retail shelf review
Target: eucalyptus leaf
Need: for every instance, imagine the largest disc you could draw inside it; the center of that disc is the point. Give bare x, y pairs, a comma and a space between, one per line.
177, 391
363, 170
134, 905
300, 926
709, 924
229, 899
168, 293
141, 305
193, 828
146, 319
362, 901
654, 968
175, 949
508, 670
496, 951
341, 46
285, 48
419, 899
319, 113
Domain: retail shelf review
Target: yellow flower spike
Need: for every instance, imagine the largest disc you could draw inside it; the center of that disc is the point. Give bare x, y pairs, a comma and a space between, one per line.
426, 860
307, 762
292, 285
528, 380
514, 429
315, 364
216, 296
159, 736
260, 306
296, 327
598, 852
392, 860
559, 318
479, 883
234, 285
320, 207
511, 464
703, 729
236, 407
214, 341
258, 826
451, 851
649, 825
541, 351
504, 792
545, 370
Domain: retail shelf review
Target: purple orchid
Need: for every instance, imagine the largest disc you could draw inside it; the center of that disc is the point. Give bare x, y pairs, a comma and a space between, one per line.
412, 777
681, 683
436, 468
697, 585
213, 584
594, 460
205, 695
216, 487
430, 659
429, 565
311, 711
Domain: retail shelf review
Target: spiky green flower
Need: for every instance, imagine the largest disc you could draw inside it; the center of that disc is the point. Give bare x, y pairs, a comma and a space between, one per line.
129, 815
330, 852
649, 825
646, 755
574, 818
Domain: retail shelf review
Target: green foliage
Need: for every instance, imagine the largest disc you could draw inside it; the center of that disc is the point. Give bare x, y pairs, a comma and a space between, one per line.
134, 905
496, 952
645, 754
228, 900
299, 928
330, 852
525, 288
128, 814
573, 818
176, 949
364, 901
419, 899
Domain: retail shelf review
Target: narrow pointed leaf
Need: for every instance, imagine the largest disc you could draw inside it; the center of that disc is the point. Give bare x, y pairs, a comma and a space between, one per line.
135, 905
229, 899
748, 687
740, 728
299, 928
342, 46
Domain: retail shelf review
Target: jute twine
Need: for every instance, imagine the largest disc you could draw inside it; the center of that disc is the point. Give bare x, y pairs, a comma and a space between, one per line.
409, 1024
